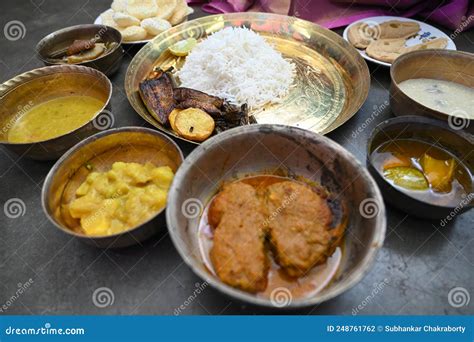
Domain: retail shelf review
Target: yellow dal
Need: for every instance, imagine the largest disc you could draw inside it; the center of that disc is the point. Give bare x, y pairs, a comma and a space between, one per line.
121, 198
54, 118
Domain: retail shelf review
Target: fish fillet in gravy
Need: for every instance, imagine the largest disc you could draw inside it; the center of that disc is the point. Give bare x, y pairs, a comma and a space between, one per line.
238, 252
299, 227
258, 217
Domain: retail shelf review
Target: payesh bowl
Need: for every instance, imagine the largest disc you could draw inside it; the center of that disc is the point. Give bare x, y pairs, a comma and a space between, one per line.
256, 149
447, 65
127, 144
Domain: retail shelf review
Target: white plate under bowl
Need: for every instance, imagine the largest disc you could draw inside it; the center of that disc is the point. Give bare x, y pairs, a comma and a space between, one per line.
426, 31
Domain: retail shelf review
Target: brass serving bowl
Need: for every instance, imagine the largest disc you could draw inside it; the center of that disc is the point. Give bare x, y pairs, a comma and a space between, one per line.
127, 144
21, 93
331, 83
448, 65
257, 149
61, 39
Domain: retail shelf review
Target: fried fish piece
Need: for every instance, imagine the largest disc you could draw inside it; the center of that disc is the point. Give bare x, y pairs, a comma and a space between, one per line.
183, 94
157, 94
207, 107
238, 252
299, 226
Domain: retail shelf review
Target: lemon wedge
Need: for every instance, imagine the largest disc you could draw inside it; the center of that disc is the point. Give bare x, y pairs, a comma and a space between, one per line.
183, 47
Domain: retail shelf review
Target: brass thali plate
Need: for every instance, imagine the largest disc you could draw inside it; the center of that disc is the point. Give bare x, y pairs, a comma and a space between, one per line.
331, 84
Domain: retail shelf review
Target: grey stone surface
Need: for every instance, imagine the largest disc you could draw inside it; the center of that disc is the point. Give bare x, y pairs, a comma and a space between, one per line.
421, 261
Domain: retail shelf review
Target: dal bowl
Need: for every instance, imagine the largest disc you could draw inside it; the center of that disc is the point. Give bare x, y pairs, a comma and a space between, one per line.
23, 92
264, 149
127, 144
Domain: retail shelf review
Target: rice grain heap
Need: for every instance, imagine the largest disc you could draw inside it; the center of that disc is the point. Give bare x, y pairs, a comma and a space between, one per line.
239, 65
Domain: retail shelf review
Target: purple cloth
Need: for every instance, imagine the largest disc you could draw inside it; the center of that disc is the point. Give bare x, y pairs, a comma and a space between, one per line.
457, 15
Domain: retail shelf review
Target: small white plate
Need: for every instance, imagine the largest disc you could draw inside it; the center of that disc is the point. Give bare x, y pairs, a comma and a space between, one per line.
426, 31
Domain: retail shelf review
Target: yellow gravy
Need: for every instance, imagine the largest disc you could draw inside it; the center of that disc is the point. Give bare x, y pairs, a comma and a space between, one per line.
54, 118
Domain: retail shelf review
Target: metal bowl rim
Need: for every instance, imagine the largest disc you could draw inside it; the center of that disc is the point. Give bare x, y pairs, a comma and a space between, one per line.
367, 262
50, 176
32, 74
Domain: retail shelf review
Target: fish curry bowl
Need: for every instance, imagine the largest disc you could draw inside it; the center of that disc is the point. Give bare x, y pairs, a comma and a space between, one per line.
45, 111
105, 190
276, 216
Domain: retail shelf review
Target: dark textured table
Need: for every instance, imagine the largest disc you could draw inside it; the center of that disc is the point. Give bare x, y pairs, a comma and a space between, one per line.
44, 271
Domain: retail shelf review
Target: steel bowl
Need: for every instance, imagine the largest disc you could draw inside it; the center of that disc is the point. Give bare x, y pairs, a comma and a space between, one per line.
61, 39
257, 149
127, 144
447, 65
21, 93
434, 132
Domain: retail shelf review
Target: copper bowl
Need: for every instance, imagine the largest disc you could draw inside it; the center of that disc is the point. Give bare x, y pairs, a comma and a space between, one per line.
127, 144
448, 65
108, 63
21, 93
254, 149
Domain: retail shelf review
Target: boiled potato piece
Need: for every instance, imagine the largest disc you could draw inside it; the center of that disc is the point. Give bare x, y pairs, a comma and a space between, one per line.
194, 124
133, 33
154, 26
125, 20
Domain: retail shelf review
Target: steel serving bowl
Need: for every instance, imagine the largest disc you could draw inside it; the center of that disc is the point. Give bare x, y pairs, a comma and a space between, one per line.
61, 39
432, 131
21, 93
447, 65
127, 144
254, 149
